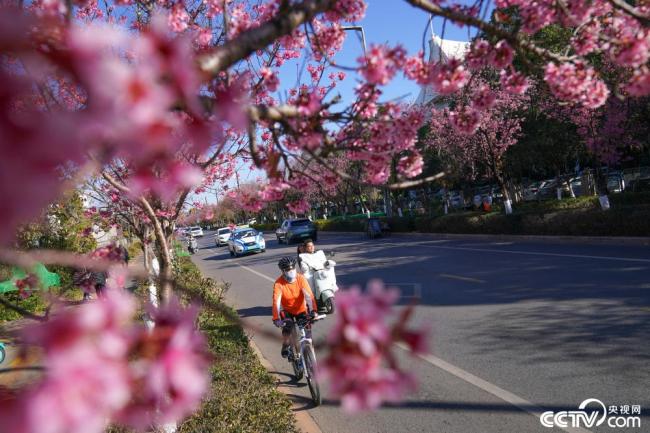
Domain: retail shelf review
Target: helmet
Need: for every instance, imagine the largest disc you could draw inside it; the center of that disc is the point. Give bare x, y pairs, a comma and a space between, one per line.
287, 263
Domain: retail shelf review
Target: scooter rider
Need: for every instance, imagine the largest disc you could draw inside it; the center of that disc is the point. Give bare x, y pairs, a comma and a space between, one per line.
292, 297
191, 243
319, 272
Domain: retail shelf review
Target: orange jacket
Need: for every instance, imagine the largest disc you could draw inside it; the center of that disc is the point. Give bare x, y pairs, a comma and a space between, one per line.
294, 298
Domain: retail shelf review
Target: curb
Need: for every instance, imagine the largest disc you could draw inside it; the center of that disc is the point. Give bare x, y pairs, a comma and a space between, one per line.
598, 240
304, 421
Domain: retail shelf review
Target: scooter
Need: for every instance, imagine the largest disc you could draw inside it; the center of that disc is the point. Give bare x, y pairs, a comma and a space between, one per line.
192, 246
319, 271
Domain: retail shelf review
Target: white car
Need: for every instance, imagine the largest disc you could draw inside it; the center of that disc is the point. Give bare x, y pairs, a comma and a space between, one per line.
222, 236
196, 231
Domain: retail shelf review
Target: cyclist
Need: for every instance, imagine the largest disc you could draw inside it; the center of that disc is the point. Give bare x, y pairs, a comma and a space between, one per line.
292, 297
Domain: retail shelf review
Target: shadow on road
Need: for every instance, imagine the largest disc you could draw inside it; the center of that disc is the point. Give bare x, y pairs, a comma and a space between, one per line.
255, 311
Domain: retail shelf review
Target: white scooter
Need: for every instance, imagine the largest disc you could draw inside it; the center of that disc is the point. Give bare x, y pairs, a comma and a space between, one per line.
192, 245
319, 272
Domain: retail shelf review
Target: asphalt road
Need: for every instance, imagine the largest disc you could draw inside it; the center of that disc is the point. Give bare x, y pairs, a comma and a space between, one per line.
518, 327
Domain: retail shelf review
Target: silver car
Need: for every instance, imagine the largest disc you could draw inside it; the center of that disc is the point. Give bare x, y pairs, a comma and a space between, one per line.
222, 236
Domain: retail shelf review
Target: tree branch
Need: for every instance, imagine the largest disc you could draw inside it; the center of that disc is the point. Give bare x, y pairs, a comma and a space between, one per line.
248, 42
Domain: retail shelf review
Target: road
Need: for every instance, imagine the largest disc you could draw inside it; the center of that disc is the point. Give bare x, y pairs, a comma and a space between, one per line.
518, 327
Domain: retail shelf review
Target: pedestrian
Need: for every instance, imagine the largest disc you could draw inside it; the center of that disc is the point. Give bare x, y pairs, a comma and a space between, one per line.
100, 283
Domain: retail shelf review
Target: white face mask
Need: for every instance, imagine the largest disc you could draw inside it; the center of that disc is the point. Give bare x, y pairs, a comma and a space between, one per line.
290, 275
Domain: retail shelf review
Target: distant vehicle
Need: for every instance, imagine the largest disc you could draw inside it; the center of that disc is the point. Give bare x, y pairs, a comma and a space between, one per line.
296, 229
244, 241
615, 183
196, 231
222, 236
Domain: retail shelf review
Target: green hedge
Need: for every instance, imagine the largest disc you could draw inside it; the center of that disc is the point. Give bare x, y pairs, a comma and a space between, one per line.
624, 221
580, 216
266, 227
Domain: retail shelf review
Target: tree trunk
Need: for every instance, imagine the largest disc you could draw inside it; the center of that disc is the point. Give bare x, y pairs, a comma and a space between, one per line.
567, 182
507, 201
601, 189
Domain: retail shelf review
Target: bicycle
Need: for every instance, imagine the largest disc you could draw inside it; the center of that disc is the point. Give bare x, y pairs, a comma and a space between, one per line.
302, 355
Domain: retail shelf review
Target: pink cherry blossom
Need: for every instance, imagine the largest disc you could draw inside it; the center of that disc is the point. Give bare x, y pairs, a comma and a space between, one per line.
179, 18
327, 40
381, 63
514, 83
347, 10
270, 79
230, 101
576, 82
465, 121
411, 165
448, 77
360, 367
416, 69
639, 84
502, 55
483, 98
299, 207
478, 54
171, 376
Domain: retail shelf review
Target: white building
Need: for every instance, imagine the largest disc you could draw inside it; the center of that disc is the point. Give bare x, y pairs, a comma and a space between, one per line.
441, 50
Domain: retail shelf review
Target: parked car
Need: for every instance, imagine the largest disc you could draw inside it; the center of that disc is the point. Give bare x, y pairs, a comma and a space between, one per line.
615, 182
221, 236
246, 240
196, 231
296, 229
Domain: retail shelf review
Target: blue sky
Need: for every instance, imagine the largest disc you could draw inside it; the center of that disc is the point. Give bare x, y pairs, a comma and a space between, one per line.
386, 21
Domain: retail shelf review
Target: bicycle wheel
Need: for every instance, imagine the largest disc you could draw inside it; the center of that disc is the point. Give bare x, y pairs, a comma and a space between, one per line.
312, 381
298, 371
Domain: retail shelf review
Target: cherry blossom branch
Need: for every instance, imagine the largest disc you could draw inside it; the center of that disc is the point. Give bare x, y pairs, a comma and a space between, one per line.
624, 6
514, 39
258, 38
27, 260
165, 272
417, 182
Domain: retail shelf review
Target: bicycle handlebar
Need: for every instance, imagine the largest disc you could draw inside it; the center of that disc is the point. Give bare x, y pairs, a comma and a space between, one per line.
303, 321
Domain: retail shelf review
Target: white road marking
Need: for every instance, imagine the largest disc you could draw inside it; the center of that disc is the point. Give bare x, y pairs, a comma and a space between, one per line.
468, 377
488, 387
259, 274
461, 278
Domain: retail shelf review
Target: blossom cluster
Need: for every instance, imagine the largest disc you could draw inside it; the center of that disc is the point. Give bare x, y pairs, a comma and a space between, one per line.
101, 366
360, 367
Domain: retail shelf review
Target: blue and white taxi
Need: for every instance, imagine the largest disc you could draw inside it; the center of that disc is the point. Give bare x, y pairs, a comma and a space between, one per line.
245, 240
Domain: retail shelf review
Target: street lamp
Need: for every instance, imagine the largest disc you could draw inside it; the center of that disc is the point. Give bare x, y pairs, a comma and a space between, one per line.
363, 35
